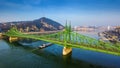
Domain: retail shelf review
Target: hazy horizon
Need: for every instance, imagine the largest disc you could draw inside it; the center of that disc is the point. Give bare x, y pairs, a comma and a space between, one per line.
79, 12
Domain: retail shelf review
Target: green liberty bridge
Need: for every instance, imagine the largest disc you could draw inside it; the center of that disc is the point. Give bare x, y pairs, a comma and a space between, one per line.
69, 39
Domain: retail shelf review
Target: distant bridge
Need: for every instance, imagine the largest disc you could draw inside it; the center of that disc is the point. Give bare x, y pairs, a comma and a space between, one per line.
69, 40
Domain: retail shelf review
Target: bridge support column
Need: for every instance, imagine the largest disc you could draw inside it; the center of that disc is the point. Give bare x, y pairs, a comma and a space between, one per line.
1, 35
67, 50
11, 39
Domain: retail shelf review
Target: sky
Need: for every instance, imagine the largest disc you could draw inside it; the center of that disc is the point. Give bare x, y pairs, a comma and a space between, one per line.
78, 12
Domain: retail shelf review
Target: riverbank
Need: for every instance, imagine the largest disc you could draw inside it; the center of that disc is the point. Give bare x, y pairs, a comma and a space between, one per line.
111, 35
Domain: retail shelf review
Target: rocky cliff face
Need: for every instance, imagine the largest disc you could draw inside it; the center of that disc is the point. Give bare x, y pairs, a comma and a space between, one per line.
42, 24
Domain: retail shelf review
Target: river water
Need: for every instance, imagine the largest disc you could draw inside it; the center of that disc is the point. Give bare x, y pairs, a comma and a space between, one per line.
14, 55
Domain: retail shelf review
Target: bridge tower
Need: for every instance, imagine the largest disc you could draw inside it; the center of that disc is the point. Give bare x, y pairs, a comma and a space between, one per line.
67, 38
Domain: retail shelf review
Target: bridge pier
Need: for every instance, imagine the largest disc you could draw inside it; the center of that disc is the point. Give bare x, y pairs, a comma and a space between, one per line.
67, 50
11, 39
1, 35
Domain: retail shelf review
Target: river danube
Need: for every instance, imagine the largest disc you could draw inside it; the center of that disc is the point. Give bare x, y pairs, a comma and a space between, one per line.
14, 55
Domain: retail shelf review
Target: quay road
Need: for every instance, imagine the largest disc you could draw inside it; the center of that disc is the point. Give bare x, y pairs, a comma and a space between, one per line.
45, 32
